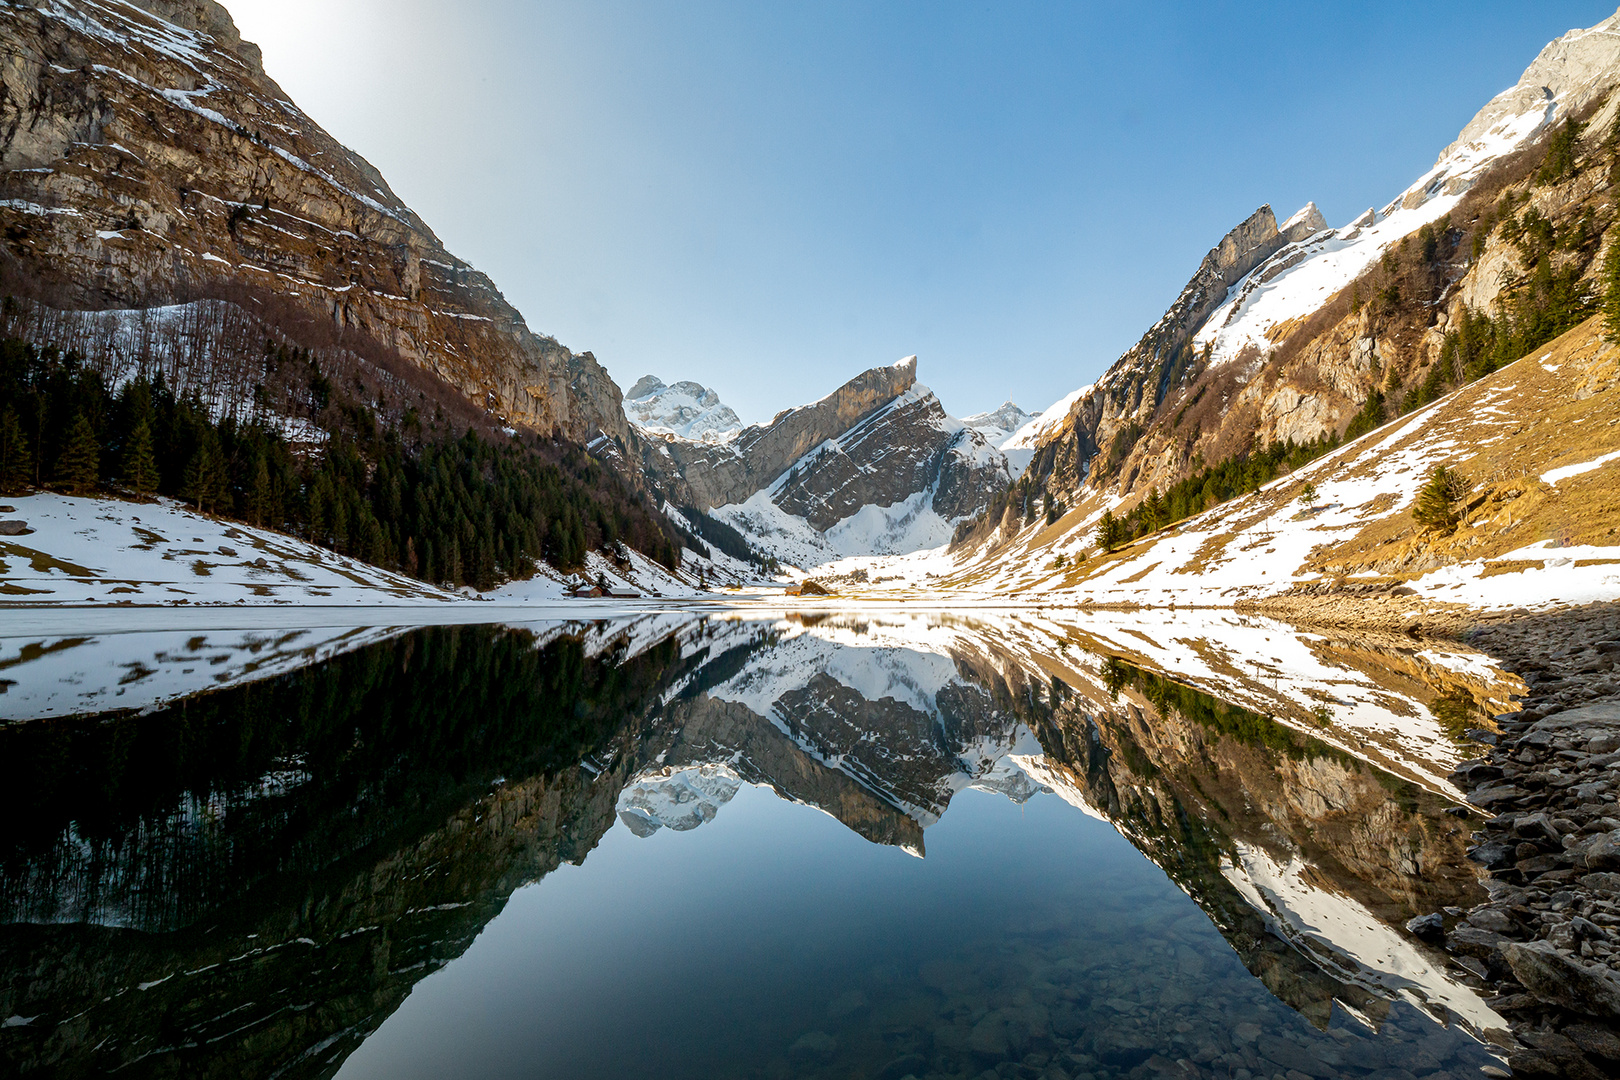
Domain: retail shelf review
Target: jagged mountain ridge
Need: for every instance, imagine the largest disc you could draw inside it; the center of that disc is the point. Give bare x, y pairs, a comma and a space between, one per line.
878, 462
1293, 347
146, 158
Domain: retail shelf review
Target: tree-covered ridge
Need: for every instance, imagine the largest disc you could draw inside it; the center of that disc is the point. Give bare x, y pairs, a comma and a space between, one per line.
461, 509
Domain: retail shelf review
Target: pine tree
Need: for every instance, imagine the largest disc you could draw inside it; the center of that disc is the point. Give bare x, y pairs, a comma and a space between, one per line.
1611, 289
15, 461
140, 463
206, 483
1108, 532
1436, 506
259, 495
78, 469
1307, 495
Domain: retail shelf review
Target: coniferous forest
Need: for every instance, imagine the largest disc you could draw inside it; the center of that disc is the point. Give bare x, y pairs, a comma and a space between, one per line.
457, 508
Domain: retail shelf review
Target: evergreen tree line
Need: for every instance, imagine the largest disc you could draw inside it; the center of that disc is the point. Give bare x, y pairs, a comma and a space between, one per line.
1209, 486
1546, 301
712, 532
460, 510
1222, 718
395, 737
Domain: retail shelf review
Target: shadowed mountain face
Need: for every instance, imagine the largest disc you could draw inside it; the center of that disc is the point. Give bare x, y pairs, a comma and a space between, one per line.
147, 159
251, 881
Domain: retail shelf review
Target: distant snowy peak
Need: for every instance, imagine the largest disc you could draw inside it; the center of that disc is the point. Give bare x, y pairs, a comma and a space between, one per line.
686, 409
1029, 436
998, 425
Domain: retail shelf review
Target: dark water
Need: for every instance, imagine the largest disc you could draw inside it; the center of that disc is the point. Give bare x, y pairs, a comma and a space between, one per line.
714, 848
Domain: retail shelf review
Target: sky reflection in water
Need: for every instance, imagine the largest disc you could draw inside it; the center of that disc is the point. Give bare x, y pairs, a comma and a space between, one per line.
1122, 872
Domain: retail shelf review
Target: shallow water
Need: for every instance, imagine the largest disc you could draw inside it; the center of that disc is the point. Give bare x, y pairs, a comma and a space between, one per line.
864, 846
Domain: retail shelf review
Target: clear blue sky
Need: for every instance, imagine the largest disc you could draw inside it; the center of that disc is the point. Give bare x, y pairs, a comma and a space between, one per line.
770, 198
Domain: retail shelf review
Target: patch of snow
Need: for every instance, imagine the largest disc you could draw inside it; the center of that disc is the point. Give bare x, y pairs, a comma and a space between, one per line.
1554, 476
1344, 934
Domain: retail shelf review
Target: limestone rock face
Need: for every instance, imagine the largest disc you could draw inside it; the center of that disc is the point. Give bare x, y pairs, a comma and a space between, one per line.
905, 448
146, 159
706, 475
1139, 380
1571, 73
1308, 222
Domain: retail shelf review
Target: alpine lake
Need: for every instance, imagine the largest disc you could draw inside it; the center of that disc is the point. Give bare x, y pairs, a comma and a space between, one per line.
864, 844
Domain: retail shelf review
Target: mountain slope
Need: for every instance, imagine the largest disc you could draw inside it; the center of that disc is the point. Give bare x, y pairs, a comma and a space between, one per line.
1332, 331
146, 158
1538, 443
1266, 345
876, 467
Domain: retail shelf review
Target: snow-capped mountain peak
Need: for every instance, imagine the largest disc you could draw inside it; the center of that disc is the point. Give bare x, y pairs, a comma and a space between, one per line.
997, 425
1568, 75
686, 409
1306, 222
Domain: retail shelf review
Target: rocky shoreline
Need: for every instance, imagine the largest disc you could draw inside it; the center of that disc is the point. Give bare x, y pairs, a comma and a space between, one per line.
1545, 947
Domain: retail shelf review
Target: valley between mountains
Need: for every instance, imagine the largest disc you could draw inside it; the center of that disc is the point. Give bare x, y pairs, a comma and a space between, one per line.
187, 251
1360, 482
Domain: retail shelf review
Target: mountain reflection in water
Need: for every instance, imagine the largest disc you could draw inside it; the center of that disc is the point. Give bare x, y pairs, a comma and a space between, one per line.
250, 881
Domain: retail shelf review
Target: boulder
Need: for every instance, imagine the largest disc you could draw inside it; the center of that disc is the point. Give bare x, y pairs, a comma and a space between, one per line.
1427, 926
14, 528
1558, 979
814, 1046
1603, 851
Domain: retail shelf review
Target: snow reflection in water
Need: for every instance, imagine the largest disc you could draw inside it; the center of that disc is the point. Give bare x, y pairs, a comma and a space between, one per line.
335, 831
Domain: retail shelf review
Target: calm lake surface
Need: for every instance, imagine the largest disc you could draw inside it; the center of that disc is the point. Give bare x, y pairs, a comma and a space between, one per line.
849, 845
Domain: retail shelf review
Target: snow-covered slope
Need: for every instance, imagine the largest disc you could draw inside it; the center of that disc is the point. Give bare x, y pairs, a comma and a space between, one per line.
1238, 356
1568, 75
110, 552
686, 409
1539, 441
1010, 430
998, 425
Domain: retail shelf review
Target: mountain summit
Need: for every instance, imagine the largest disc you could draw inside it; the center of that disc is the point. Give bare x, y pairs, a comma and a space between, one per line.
687, 409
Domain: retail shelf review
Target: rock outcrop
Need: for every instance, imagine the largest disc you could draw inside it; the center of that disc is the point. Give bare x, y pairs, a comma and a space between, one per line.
146, 158
1139, 381
879, 442
707, 475
909, 446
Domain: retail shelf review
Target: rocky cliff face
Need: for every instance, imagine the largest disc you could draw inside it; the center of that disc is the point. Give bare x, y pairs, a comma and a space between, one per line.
907, 447
707, 475
1164, 358
146, 158
1284, 334
880, 441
